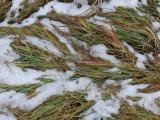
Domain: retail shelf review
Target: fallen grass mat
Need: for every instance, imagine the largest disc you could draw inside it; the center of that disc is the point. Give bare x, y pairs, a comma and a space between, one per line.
136, 30
4, 8
28, 89
66, 107
28, 9
93, 34
36, 58
36, 30
85, 31
151, 9
133, 113
100, 73
149, 75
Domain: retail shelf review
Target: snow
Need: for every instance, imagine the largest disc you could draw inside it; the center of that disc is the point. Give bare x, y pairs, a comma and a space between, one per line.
102, 21
147, 99
106, 108
110, 6
141, 59
8, 68
49, 25
59, 7
13, 75
100, 50
94, 93
158, 34
156, 25
114, 69
102, 109
71, 8
16, 5
7, 117
20, 100
44, 44
92, 116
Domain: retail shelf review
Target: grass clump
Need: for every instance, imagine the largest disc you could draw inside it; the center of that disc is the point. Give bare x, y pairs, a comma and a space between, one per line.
36, 30
133, 113
30, 8
28, 89
93, 34
36, 58
150, 75
66, 107
151, 9
4, 8
136, 30
99, 74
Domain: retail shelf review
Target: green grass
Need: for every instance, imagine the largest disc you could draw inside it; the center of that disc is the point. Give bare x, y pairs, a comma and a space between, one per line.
134, 113
151, 9
66, 107
36, 30
27, 89
36, 58
129, 27
29, 9
134, 29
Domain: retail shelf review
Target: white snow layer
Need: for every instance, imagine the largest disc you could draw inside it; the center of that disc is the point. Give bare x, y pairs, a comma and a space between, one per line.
100, 50
11, 74
7, 117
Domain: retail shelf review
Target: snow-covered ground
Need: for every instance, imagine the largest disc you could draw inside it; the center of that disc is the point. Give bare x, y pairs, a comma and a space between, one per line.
12, 75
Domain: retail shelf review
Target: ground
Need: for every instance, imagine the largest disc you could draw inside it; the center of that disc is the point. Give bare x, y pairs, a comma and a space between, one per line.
80, 60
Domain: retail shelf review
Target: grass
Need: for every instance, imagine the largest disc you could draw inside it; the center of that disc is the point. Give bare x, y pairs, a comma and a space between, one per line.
66, 107
93, 34
29, 9
27, 89
4, 8
151, 9
134, 113
127, 26
36, 30
136, 30
36, 58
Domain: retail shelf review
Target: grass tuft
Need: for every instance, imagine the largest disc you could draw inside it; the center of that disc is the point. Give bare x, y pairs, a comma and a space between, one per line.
66, 107
133, 113
36, 58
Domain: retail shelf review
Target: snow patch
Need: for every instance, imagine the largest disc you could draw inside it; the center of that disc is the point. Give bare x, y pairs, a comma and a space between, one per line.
7, 117
110, 6
100, 50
